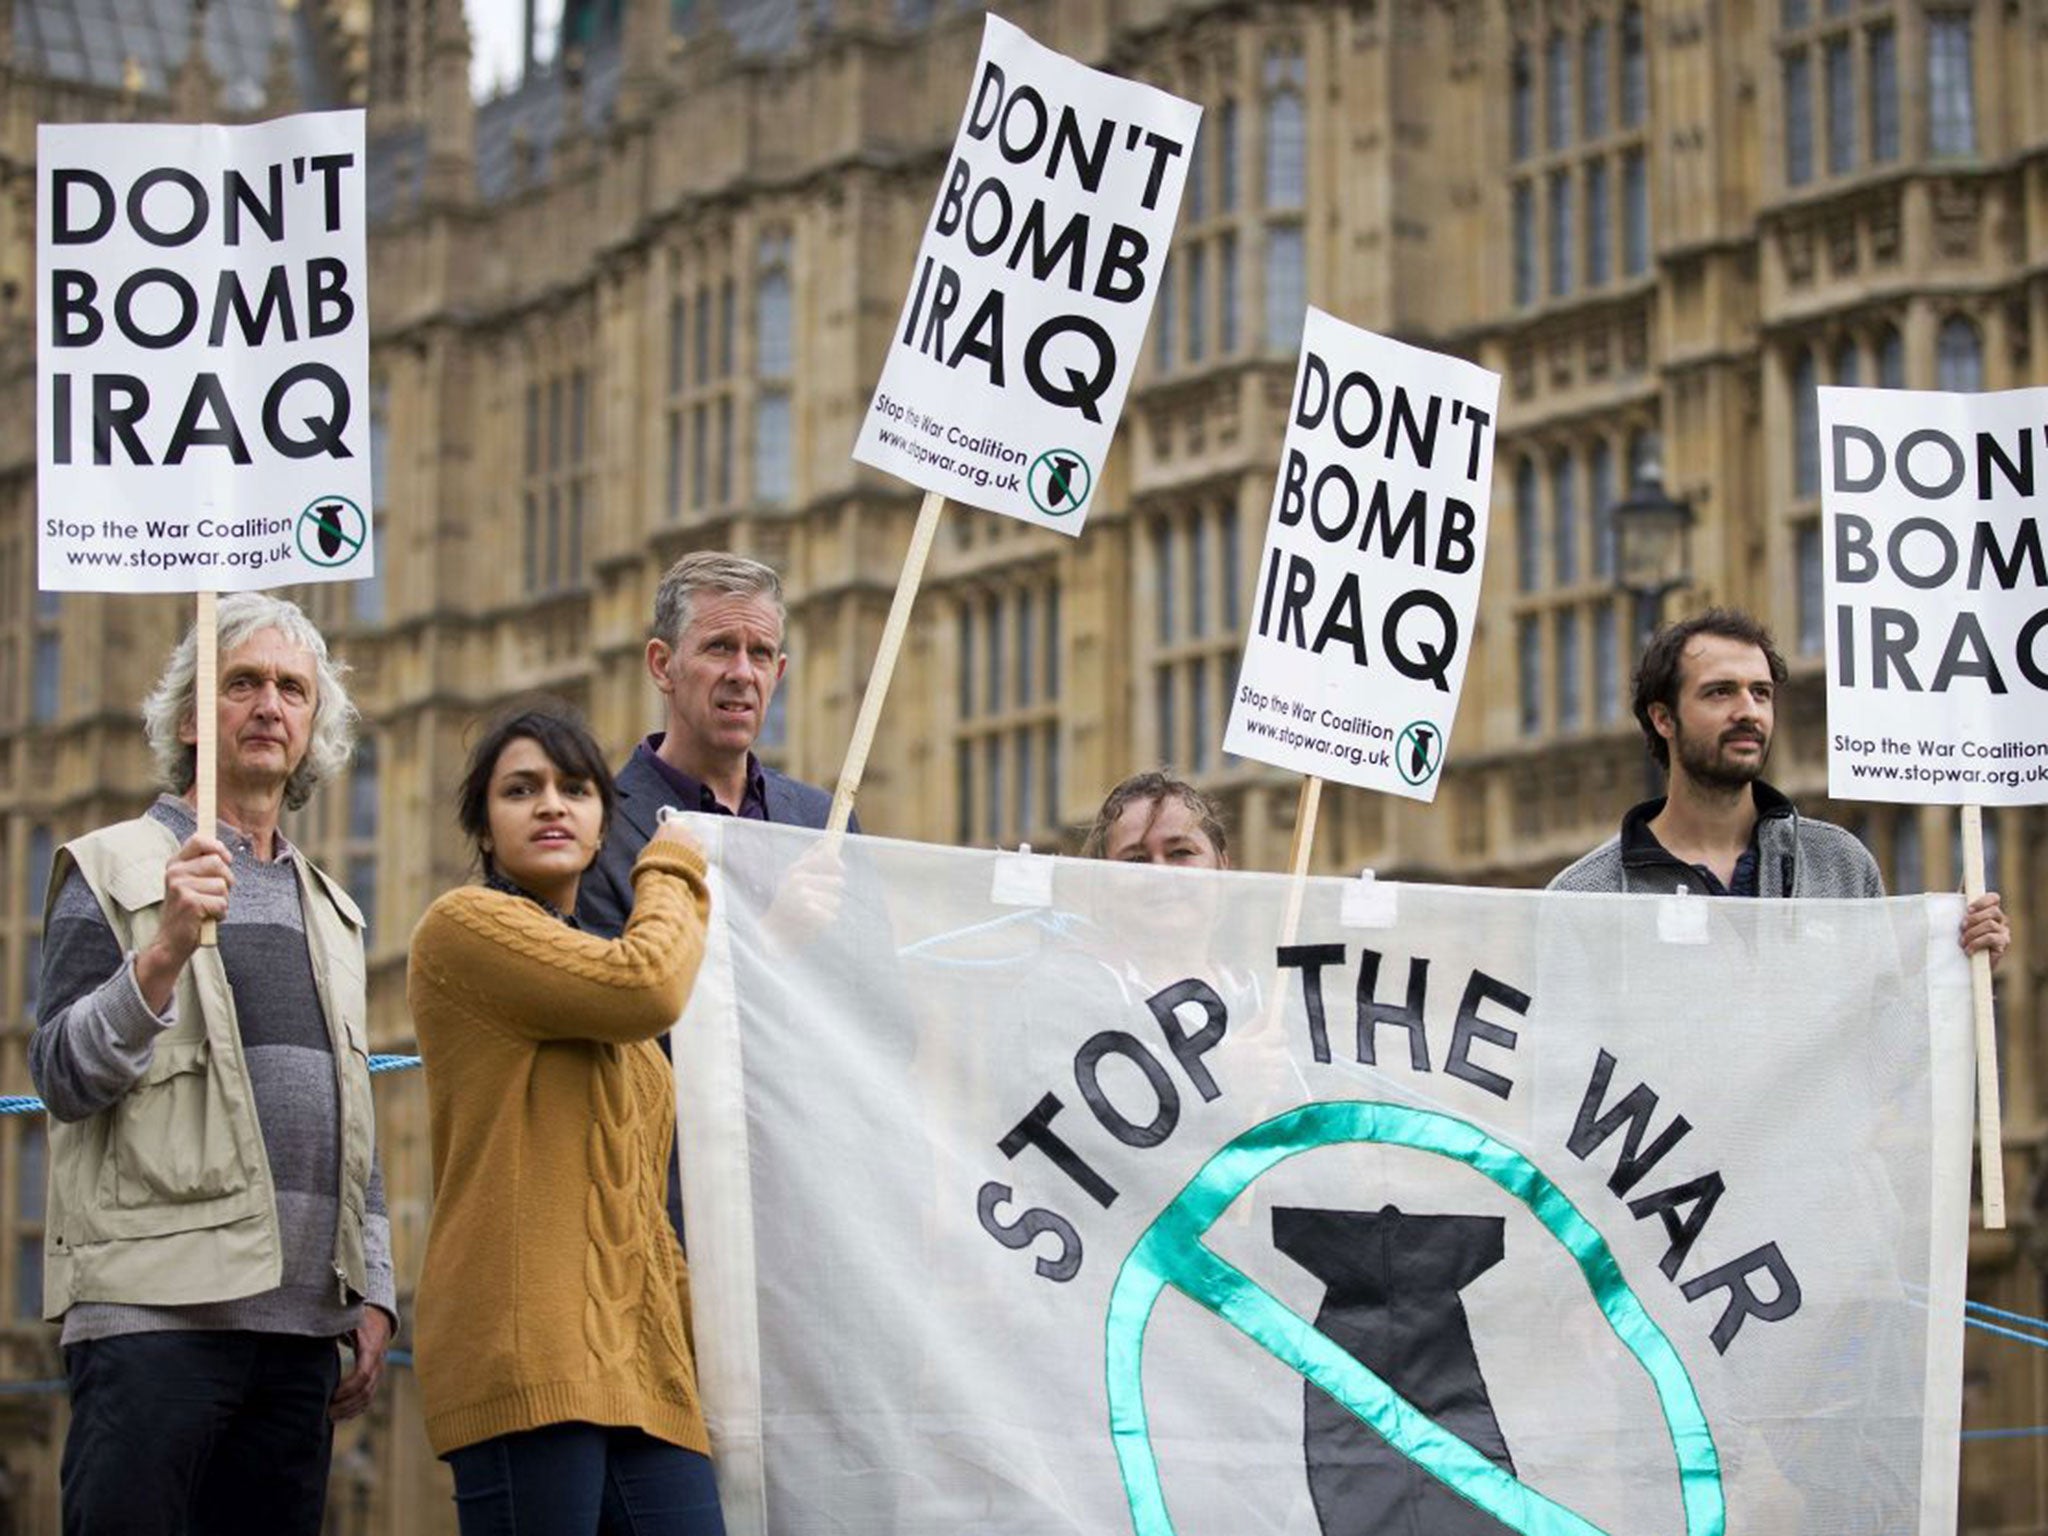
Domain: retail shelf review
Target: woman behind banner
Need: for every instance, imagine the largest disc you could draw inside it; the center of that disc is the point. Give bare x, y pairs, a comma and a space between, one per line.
1157, 933
1167, 931
1155, 818
554, 1354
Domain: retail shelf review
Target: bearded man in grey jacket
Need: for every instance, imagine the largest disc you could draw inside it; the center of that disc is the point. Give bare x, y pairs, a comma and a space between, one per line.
1706, 694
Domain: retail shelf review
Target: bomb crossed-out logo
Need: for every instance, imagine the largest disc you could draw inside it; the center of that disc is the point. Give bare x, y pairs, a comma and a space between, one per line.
332, 531
1060, 482
1401, 1441
1420, 751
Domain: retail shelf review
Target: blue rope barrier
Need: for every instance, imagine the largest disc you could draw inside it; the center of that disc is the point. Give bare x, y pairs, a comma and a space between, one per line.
2008, 1333
2032, 1432
1988, 1310
28, 1104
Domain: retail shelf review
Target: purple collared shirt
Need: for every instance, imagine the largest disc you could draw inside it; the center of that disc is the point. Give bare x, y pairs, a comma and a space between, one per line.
695, 794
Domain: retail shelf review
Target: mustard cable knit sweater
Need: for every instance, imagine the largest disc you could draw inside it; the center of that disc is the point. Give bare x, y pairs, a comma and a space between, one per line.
553, 1289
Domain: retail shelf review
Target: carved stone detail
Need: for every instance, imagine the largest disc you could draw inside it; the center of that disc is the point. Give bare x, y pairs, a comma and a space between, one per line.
1795, 244
1842, 244
1599, 344
1560, 360
1884, 232
1635, 343
1958, 220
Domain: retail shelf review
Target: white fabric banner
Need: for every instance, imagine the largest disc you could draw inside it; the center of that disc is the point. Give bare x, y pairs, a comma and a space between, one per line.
1007, 370
1936, 612
1108, 1207
202, 355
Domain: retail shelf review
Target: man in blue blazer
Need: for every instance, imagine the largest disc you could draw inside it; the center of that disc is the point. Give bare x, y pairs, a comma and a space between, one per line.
716, 656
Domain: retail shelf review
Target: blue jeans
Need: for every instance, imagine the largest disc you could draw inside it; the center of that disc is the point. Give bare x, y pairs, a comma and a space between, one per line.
198, 1434
583, 1480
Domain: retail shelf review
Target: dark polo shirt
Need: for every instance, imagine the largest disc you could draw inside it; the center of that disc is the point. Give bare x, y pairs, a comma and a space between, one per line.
694, 794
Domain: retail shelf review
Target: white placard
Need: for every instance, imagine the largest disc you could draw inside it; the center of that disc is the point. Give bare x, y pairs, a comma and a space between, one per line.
1007, 369
1361, 620
202, 355
1936, 587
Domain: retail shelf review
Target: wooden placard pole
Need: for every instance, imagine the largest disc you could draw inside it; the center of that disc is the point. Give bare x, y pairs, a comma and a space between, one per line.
1990, 1132
1305, 807
206, 725
870, 716
1306, 804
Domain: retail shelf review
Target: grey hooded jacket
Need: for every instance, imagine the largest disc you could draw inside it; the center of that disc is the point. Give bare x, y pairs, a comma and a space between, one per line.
1796, 856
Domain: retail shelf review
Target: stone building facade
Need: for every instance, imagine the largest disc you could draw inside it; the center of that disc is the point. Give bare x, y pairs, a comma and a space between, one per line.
635, 306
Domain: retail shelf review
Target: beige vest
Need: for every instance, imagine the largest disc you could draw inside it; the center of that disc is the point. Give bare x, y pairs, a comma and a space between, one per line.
165, 1197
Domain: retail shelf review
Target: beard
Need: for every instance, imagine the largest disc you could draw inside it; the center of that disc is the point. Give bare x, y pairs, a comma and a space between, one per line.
1706, 763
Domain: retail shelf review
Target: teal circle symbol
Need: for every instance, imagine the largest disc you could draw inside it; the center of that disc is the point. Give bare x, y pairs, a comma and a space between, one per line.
1171, 1252
332, 531
1420, 751
1060, 482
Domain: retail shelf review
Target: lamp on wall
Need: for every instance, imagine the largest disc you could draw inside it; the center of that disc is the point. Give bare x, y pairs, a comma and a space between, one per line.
1652, 558
1651, 537
1653, 546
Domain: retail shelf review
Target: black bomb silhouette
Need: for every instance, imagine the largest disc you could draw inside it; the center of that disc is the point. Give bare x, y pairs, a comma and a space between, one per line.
1392, 1303
329, 517
1418, 751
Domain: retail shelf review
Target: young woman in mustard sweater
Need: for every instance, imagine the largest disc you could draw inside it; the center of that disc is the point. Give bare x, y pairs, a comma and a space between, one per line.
552, 1333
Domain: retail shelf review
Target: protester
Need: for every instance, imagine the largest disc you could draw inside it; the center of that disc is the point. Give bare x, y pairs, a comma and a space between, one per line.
216, 1213
715, 656
1706, 695
1155, 818
554, 1354
553, 1305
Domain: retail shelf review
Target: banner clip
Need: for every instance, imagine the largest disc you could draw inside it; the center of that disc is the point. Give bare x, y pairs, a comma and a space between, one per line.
1682, 918
1022, 879
1369, 902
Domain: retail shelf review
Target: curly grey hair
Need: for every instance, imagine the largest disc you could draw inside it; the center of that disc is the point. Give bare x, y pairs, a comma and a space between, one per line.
711, 571
242, 616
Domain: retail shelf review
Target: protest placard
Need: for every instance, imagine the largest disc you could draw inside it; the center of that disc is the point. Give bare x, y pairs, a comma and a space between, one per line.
1007, 369
202, 355
1936, 596
1369, 580
1936, 623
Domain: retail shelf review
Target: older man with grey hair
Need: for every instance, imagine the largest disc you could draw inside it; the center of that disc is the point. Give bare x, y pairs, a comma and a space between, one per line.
216, 1219
715, 657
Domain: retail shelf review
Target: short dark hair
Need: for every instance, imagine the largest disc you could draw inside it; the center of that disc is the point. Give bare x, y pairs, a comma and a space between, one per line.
1147, 788
1657, 673
558, 729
